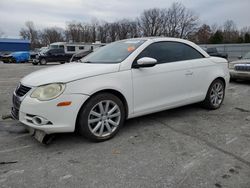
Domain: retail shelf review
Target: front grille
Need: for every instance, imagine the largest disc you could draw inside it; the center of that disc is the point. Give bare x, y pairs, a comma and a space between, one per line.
15, 113
242, 67
22, 90
16, 105
16, 102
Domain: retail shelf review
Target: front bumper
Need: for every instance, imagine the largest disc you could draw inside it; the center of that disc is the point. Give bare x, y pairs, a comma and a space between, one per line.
244, 75
59, 119
7, 59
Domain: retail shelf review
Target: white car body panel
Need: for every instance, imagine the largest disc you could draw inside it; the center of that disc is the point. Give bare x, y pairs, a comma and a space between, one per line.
68, 72
146, 90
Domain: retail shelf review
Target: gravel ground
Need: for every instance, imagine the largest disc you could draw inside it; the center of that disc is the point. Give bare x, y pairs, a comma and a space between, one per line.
183, 147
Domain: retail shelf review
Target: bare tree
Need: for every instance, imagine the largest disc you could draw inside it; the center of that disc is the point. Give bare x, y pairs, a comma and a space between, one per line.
203, 34
102, 31
176, 21
30, 33
230, 33
112, 32
152, 21
50, 35
181, 22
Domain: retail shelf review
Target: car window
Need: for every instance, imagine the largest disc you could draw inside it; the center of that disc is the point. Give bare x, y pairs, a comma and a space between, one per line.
165, 52
52, 51
71, 48
114, 52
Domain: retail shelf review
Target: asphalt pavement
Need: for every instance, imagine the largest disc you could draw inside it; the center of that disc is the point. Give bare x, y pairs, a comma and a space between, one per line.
184, 147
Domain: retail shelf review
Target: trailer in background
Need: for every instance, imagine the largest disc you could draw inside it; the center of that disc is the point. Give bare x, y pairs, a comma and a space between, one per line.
72, 48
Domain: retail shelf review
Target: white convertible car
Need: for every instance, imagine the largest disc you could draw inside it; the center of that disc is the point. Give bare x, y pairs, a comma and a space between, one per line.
122, 80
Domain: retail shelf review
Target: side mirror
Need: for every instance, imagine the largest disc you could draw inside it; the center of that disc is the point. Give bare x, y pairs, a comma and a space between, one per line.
146, 62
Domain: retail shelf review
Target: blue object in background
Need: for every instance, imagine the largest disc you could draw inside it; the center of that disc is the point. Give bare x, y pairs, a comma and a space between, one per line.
16, 57
14, 45
20, 56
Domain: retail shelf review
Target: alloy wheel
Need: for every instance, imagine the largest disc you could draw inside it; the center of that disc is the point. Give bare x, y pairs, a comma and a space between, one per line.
104, 118
217, 94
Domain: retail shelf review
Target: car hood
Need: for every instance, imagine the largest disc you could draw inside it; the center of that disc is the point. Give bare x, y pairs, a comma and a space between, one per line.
9, 55
67, 73
242, 61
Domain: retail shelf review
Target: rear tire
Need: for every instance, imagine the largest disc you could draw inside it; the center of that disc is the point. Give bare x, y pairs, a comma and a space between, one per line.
101, 117
215, 95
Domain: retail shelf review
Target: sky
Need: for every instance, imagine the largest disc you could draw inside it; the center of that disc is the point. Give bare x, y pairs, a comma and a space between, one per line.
56, 13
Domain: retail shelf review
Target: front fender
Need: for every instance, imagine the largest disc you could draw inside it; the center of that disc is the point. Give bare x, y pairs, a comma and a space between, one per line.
118, 81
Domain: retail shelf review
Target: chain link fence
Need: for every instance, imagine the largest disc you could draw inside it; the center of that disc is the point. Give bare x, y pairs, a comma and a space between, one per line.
234, 51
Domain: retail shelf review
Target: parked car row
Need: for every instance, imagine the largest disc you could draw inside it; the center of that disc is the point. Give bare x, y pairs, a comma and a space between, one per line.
56, 52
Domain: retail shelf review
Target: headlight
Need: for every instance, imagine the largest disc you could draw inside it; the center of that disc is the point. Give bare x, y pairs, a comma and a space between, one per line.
48, 92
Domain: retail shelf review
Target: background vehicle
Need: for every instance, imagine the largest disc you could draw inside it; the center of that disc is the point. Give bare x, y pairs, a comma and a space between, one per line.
72, 48
16, 57
240, 69
52, 55
122, 80
34, 53
214, 52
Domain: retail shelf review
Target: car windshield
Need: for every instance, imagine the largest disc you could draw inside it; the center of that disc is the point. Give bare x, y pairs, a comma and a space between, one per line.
247, 56
115, 52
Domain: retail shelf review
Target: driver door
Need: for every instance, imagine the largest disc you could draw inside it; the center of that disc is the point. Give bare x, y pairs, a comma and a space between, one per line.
167, 84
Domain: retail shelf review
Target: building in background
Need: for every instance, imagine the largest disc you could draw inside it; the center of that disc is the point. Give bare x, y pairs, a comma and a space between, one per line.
14, 45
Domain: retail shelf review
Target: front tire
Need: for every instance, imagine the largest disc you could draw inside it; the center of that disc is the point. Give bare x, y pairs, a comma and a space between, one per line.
215, 95
101, 117
43, 62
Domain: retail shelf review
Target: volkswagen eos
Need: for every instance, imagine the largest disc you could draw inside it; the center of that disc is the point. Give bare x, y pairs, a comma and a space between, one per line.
122, 80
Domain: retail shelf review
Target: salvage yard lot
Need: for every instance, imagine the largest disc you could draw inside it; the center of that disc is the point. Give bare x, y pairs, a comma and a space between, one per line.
184, 147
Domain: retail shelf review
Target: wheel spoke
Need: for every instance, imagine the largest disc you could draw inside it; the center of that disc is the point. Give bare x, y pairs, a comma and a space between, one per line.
216, 100
220, 95
107, 107
213, 100
219, 87
94, 120
108, 127
112, 110
112, 122
101, 107
95, 114
102, 128
97, 127
114, 115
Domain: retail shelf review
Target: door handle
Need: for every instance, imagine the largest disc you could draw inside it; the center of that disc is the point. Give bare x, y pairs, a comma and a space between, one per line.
189, 73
